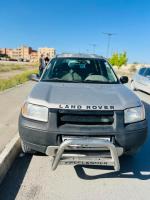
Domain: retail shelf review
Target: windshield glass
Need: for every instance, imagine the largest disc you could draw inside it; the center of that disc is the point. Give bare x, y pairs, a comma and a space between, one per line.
79, 70
147, 72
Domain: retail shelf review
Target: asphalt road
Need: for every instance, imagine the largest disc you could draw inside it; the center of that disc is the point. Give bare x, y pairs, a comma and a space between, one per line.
31, 178
10, 104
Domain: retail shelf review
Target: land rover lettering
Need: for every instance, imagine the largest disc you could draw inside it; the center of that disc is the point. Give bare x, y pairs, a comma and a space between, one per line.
86, 107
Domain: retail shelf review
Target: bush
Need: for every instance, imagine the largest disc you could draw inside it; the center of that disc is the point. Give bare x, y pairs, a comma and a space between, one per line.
118, 59
16, 80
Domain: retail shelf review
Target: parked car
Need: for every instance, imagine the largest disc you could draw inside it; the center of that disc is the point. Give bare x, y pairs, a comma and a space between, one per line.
81, 113
141, 80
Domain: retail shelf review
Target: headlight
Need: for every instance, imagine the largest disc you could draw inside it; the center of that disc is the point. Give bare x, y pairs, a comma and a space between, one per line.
134, 114
35, 112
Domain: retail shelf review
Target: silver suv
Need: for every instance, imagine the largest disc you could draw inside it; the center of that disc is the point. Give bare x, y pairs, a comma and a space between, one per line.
81, 113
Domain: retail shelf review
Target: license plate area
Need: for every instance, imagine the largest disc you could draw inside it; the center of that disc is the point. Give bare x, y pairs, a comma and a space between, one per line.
81, 162
64, 138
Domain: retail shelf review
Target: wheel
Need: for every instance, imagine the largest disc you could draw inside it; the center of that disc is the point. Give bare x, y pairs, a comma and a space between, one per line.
133, 86
25, 148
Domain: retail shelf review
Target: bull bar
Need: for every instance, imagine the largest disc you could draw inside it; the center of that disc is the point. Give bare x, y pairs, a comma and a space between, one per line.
59, 156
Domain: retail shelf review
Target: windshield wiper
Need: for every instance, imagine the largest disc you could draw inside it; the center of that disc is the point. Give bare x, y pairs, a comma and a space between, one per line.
53, 80
95, 81
98, 81
60, 80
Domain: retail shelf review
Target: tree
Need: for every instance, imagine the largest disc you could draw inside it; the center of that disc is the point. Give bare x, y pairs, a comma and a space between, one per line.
114, 59
119, 59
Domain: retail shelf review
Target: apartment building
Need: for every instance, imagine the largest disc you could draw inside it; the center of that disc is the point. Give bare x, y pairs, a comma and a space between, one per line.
9, 52
6, 51
22, 52
2, 51
34, 56
47, 51
27, 53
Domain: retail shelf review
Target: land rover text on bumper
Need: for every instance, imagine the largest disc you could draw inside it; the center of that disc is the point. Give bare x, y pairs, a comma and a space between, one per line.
81, 113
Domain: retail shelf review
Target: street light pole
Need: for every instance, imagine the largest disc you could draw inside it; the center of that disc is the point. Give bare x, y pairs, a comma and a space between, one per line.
108, 43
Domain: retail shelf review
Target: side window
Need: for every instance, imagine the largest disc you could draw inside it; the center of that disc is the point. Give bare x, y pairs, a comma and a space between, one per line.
147, 72
141, 71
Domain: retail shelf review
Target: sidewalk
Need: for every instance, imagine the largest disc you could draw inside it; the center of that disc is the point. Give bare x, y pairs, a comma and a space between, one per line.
10, 104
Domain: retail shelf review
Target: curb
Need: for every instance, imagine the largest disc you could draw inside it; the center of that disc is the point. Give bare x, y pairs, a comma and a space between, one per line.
8, 155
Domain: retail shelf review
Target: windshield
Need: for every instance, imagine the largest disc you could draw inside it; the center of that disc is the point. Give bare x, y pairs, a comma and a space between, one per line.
79, 70
147, 72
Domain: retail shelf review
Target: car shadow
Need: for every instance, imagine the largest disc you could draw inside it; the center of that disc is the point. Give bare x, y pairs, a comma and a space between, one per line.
14, 178
137, 166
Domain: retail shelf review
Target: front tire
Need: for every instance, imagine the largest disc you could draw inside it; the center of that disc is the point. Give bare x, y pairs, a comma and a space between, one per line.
26, 148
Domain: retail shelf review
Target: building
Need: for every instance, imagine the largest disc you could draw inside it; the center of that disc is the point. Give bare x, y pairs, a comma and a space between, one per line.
2, 51
26, 53
46, 51
34, 56
6, 51
22, 52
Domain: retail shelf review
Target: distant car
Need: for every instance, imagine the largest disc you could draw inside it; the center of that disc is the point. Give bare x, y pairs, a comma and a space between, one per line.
141, 80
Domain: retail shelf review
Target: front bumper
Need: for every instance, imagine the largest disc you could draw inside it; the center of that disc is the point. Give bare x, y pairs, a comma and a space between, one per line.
62, 157
39, 135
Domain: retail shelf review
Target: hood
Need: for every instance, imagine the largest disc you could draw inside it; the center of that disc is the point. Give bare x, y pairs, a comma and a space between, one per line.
58, 95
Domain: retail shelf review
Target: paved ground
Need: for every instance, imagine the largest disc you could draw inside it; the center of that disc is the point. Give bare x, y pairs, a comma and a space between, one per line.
31, 178
10, 103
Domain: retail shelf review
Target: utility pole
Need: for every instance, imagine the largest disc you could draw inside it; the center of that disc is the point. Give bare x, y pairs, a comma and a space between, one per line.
108, 43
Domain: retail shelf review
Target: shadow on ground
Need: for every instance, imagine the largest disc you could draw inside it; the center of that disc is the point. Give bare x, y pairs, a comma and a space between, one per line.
137, 166
12, 183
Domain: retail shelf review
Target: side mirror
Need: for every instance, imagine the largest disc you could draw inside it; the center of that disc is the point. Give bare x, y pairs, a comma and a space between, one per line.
124, 79
34, 77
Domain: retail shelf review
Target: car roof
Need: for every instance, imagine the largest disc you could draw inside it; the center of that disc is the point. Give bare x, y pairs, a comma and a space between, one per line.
78, 55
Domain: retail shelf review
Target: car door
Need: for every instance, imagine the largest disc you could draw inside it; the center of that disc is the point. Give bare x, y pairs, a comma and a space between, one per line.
146, 81
138, 78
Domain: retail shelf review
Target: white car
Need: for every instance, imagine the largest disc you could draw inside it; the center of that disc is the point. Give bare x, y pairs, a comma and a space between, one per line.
141, 80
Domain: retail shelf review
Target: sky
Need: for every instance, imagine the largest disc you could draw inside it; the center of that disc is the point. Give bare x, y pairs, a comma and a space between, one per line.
74, 25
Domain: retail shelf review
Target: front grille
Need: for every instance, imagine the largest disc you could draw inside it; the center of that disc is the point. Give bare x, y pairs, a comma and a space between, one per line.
85, 117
